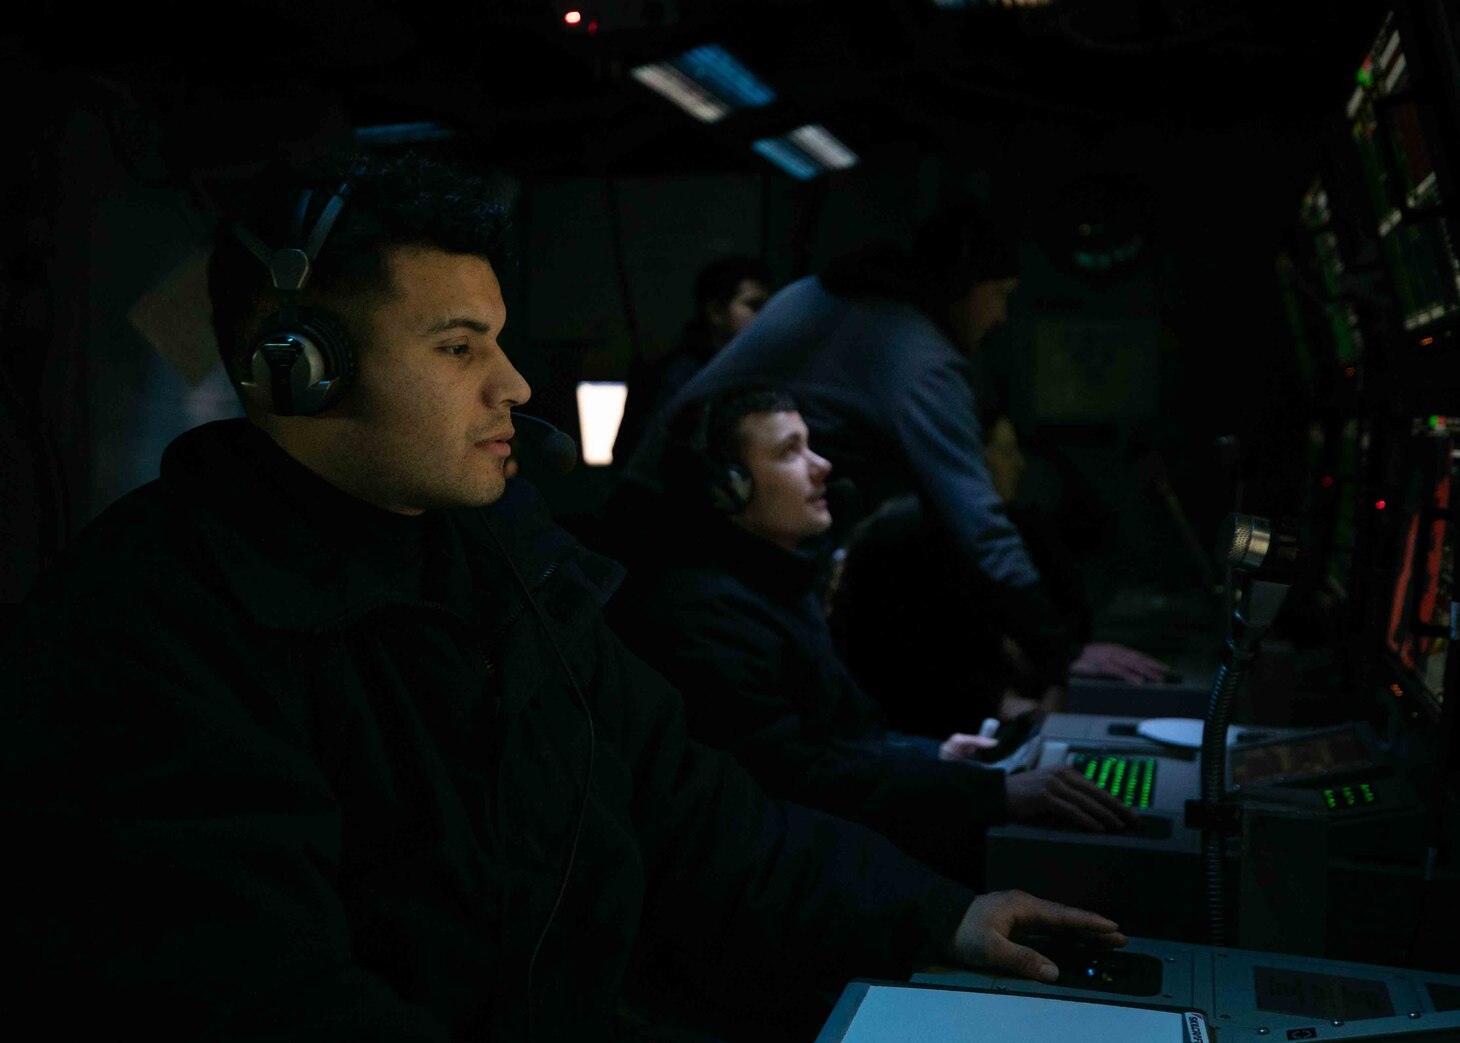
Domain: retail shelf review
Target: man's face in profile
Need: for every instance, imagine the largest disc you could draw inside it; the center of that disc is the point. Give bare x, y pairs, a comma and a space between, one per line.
788, 501
427, 421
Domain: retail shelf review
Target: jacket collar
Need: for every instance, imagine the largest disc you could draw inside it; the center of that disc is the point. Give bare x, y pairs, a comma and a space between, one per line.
762, 565
283, 540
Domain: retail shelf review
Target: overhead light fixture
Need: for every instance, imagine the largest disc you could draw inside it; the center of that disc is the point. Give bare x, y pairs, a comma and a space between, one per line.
402, 133
818, 143
806, 152
787, 158
681, 90
707, 82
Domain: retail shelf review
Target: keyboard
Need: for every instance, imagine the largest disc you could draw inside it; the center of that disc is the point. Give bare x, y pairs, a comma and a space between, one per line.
1131, 780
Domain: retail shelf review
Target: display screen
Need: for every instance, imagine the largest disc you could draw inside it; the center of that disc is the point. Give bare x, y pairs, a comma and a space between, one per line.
1305, 994
1398, 173
1421, 563
1302, 757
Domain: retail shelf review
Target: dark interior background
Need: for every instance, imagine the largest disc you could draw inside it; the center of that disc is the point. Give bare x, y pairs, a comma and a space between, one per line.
1176, 137
1189, 126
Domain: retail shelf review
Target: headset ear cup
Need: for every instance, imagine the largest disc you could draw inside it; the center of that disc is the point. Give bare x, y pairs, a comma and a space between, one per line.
729, 488
689, 465
301, 369
738, 487
338, 350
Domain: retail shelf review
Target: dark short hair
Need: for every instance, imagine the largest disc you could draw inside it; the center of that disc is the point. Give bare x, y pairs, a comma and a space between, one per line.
708, 428
962, 245
723, 441
718, 281
954, 249
407, 200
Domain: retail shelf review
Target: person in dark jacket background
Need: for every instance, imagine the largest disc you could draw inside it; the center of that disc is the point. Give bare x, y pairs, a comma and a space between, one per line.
321, 735
729, 292
876, 351
721, 598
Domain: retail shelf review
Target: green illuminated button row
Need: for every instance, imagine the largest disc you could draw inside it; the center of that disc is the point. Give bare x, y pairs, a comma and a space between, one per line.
1341, 798
1131, 780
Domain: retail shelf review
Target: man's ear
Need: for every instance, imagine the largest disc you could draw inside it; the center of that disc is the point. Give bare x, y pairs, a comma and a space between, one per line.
717, 314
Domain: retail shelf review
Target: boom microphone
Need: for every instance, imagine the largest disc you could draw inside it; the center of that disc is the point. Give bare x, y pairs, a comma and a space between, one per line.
555, 449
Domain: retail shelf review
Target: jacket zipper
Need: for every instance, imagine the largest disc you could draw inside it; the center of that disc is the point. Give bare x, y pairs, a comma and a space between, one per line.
538, 584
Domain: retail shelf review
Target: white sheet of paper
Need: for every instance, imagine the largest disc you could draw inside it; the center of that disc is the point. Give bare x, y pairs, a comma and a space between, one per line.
897, 1015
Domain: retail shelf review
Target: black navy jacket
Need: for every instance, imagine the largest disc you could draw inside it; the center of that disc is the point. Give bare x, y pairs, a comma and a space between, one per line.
261, 783
733, 621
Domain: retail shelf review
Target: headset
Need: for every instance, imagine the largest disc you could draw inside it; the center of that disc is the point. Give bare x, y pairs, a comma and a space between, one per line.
301, 361
724, 487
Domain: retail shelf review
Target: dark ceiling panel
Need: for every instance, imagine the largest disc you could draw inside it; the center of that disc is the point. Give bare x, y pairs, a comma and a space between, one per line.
514, 78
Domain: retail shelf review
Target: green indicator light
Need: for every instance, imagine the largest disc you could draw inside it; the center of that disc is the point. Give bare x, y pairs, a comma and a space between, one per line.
1365, 77
1090, 767
1119, 776
1368, 793
1434, 422
1348, 794
1328, 796
1105, 767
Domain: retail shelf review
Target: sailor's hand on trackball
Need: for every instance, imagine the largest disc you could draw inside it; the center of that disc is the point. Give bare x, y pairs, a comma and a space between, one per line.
985, 937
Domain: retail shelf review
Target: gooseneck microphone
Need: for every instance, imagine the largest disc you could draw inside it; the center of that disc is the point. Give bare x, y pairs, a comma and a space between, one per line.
553, 448
1263, 558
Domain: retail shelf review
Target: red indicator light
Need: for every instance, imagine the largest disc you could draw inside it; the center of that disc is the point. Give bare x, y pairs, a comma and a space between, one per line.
1349, 371
1327, 482
593, 26
1425, 342
573, 17
1379, 505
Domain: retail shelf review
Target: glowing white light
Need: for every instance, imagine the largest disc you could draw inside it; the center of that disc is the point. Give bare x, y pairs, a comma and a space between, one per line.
600, 410
681, 90
821, 145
